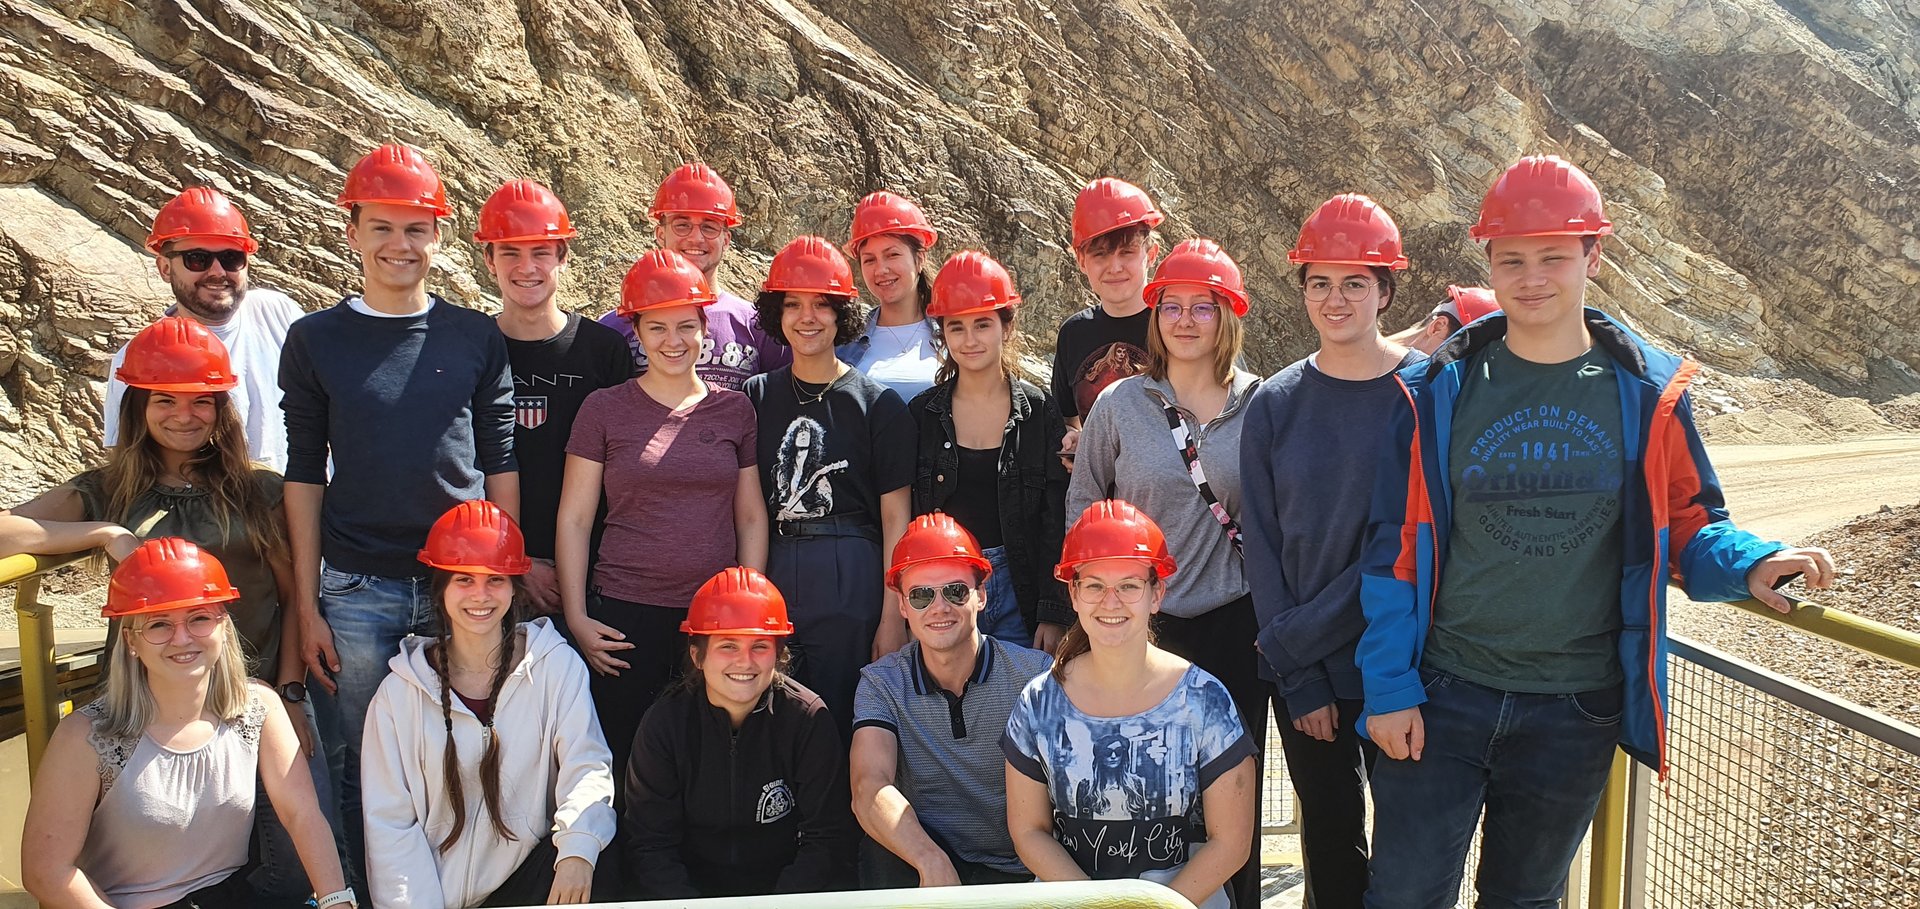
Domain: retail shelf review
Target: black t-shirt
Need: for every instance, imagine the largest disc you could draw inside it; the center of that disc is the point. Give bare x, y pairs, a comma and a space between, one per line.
551, 379
833, 456
1095, 350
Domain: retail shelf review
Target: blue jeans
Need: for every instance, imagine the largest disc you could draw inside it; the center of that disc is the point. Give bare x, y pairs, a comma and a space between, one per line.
1535, 762
368, 615
279, 873
1001, 618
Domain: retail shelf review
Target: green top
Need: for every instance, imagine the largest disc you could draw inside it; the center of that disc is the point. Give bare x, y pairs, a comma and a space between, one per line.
188, 514
1530, 593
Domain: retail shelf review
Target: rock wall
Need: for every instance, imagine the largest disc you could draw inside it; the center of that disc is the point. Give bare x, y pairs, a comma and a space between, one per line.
1762, 158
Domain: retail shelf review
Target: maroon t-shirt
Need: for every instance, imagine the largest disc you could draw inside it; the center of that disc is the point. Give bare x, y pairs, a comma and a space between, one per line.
670, 478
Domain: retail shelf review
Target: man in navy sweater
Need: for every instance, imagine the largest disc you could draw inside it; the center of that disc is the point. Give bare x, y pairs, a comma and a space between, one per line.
412, 399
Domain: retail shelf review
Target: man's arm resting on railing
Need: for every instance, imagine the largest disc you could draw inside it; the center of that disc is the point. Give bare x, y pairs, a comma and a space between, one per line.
58, 816
885, 813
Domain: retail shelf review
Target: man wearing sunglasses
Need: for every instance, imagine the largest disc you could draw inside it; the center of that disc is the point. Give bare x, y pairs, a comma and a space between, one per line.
694, 215
928, 775
201, 246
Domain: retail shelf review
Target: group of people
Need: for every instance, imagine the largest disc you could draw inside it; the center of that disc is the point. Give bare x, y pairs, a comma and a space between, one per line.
719, 596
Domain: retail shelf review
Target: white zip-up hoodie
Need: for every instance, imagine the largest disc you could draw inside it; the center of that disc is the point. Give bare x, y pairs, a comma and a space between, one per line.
555, 776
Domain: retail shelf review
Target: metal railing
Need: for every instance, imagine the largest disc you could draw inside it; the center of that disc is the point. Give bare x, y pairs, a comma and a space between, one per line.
1060, 895
40, 693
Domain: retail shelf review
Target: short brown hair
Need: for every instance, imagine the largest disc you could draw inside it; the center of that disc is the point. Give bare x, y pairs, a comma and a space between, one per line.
1125, 236
1226, 349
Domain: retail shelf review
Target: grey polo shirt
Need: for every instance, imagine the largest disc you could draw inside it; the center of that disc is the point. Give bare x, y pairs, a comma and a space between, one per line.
950, 765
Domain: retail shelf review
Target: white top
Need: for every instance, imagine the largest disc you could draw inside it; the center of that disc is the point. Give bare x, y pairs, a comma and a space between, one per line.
901, 357
253, 337
556, 776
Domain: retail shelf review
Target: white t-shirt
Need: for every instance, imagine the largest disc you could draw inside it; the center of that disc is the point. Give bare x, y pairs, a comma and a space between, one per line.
901, 357
253, 337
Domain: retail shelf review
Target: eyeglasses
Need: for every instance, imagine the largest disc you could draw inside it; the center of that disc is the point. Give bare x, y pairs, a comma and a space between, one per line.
956, 593
1353, 290
684, 227
203, 259
160, 631
1201, 312
1093, 593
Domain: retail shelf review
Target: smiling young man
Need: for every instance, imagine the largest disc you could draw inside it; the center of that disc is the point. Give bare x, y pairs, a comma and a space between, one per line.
1115, 246
202, 248
1544, 483
694, 215
411, 399
557, 358
928, 775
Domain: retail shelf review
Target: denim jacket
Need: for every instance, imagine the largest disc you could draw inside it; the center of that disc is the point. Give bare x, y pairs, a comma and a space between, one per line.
1033, 489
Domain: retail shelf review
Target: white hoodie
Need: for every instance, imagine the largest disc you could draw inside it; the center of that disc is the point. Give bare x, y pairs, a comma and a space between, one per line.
555, 776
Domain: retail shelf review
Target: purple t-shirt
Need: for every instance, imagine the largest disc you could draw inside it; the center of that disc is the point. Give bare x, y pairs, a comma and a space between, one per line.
735, 349
670, 478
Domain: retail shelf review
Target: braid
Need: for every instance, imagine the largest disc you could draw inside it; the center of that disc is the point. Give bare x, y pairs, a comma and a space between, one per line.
450, 758
490, 760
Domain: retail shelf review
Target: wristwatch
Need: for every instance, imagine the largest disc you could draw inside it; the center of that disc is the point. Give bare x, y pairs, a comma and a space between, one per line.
293, 692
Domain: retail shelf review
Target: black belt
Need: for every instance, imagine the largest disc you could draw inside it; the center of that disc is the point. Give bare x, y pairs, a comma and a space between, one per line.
835, 526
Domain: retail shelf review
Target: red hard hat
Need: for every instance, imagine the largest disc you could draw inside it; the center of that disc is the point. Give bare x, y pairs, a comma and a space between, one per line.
694, 189
1114, 529
810, 265
1541, 196
1349, 229
177, 354
1200, 261
476, 537
203, 213
663, 278
936, 537
167, 573
395, 174
523, 211
1106, 205
885, 213
738, 600
1469, 303
971, 282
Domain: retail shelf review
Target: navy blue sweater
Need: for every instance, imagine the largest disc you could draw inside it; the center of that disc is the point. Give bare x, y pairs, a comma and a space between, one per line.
1308, 456
415, 411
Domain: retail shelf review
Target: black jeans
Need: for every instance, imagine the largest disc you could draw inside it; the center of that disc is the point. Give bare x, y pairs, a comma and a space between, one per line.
659, 652
1220, 641
533, 880
1331, 780
231, 893
880, 869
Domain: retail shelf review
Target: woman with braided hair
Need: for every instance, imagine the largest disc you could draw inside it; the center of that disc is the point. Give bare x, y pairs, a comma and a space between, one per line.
485, 777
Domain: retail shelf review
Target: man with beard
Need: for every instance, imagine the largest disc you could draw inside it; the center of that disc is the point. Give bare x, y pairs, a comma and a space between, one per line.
201, 246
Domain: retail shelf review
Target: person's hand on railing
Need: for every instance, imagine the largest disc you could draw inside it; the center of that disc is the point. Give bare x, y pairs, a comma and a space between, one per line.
1812, 563
1401, 735
316, 648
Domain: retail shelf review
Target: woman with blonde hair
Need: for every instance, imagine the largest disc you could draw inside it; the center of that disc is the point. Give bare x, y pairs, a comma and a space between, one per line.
145, 798
1187, 476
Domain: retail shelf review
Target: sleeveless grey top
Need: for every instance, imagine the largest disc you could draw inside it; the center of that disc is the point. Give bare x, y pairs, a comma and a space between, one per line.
171, 822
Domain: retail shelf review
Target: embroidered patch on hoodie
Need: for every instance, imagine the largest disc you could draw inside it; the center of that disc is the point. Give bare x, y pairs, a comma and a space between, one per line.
776, 801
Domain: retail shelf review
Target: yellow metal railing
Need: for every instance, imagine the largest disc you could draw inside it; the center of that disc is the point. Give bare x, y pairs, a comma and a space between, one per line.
40, 698
1613, 823
1062, 895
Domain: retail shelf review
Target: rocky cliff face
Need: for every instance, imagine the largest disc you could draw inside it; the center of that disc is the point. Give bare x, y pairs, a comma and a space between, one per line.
1762, 158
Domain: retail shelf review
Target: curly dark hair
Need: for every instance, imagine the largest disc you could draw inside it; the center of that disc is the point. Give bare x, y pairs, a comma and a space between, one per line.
849, 317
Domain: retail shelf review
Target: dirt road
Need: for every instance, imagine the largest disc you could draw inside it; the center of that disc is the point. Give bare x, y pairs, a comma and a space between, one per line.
1790, 491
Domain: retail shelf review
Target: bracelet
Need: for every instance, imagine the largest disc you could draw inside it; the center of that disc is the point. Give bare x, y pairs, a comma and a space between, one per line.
338, 898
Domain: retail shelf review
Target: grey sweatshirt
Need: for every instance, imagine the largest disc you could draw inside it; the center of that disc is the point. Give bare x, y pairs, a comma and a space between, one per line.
1126, 451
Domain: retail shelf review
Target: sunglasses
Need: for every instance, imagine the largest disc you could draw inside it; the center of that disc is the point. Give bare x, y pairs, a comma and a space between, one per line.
203, 259
955, 593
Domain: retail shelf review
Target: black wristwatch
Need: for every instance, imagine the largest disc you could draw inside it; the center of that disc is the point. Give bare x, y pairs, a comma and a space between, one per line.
294, 692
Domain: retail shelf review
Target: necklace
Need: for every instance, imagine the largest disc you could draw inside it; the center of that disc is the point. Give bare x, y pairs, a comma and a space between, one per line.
800, 392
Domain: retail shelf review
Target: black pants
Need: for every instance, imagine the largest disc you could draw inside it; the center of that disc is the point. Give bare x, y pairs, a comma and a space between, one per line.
1331, 779
833, 592
659, 652
1221, 642
530, 883
233, 892
880, 869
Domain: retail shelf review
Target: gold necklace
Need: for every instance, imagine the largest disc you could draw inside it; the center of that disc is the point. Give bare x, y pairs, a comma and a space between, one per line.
801, 394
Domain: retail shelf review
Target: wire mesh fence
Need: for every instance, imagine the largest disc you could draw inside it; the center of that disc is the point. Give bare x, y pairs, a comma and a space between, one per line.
1769, 803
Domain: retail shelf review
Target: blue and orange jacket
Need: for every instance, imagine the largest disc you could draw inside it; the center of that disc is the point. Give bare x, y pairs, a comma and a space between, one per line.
1673, 519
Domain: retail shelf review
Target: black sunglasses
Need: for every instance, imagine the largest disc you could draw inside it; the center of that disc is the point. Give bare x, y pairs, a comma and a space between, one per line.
202, 259
955, 593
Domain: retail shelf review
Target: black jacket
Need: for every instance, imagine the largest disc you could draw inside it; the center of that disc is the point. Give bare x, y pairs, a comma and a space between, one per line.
1033, 489
712, 811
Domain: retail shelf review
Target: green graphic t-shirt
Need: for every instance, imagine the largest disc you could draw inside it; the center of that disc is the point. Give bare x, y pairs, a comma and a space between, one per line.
1530, 592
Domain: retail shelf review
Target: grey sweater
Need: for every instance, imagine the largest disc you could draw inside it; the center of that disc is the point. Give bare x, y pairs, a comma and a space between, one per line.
1126, 451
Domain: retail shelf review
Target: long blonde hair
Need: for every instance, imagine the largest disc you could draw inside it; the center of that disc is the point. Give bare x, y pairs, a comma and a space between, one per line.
222, 467
128, 706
